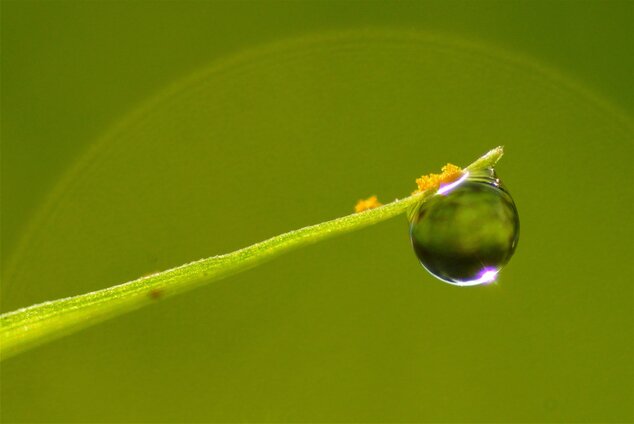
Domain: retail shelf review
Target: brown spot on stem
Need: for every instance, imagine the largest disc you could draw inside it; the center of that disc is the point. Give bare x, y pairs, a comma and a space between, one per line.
156, 293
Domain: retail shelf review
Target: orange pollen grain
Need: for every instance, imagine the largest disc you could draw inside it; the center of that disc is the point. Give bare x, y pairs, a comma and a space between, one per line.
367, 204
449, 174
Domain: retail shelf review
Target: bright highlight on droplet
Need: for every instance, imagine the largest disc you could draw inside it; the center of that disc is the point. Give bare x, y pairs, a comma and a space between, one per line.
467, 231
486, 276
444, 189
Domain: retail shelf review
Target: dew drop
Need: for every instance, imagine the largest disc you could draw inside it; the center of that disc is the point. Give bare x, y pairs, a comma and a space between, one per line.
467, 231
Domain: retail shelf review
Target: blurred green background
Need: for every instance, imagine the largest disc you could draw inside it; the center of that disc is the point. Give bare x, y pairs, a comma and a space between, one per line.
137, 136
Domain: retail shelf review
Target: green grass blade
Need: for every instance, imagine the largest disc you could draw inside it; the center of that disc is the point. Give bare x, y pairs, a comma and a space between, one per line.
28, 327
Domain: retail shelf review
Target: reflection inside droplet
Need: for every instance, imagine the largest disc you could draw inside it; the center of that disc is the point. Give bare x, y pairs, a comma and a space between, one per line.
467, 231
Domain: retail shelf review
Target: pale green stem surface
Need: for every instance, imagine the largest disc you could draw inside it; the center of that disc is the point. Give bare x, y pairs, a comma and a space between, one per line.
28, 327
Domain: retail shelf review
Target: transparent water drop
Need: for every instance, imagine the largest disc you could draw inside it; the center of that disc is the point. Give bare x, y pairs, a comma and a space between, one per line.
467, 231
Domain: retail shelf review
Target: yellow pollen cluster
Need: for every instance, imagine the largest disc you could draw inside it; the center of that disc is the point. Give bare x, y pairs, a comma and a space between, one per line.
366, 204
433, 181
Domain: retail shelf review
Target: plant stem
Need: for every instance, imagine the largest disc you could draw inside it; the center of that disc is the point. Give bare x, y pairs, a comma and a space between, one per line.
28, 327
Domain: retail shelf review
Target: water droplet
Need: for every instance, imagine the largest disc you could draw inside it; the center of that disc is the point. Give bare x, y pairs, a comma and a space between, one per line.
467, 231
